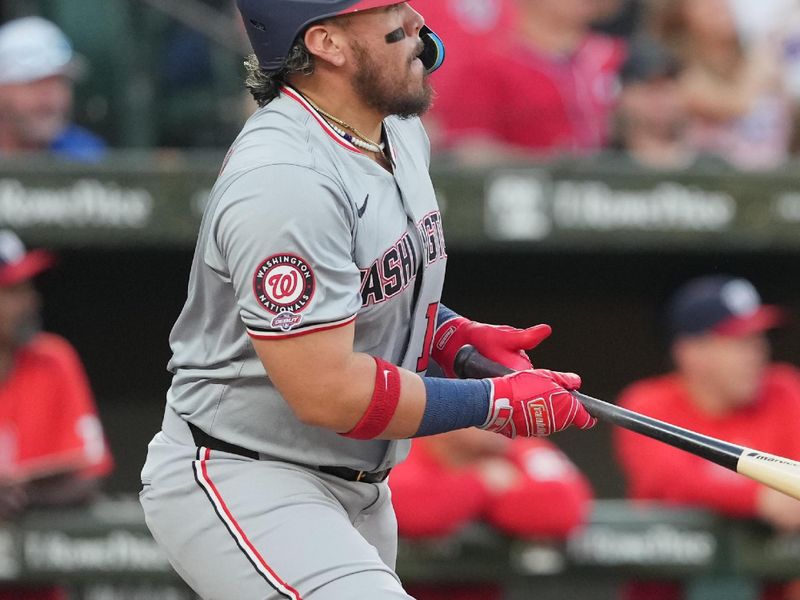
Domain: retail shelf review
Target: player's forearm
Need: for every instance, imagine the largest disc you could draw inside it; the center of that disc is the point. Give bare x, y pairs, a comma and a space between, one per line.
357, 400
406, 418
337, 394
422, 406
328, 385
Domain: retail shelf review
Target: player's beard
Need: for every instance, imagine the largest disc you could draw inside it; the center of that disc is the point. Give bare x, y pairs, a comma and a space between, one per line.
387, 92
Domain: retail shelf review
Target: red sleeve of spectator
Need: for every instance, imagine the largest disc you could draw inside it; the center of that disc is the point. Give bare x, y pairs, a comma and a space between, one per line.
71, 428
430, 500
656, 471
552, 499
469, 109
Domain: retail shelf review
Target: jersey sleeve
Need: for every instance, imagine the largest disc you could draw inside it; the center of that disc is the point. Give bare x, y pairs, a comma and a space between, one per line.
283, 235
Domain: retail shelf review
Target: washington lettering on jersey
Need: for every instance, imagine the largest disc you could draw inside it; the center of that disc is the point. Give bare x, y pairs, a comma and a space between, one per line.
432, 236
397, 268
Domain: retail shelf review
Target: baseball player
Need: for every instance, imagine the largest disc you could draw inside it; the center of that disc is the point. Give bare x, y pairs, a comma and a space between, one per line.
313, 308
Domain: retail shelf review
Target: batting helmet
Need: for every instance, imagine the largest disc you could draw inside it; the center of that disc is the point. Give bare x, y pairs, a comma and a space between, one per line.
273, 26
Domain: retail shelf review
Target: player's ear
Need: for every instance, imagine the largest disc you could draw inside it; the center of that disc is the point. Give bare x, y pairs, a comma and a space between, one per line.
325, 41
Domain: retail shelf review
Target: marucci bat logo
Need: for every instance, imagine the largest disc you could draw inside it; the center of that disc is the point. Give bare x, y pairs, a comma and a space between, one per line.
772, 459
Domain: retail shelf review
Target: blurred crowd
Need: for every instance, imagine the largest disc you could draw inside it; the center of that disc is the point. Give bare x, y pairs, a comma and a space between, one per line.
665, 83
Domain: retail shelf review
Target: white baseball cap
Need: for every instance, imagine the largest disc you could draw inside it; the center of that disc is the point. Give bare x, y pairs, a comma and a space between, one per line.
33, 48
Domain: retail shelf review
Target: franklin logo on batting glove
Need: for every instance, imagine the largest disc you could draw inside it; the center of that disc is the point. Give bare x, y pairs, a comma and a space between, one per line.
535, 403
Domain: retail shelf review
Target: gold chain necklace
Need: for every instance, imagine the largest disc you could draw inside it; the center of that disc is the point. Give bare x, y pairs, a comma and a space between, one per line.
361, 141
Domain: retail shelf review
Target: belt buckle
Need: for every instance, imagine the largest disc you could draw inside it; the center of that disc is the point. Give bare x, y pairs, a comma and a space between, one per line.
361, 475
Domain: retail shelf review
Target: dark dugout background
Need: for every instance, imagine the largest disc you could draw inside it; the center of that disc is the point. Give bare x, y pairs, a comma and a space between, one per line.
117, 308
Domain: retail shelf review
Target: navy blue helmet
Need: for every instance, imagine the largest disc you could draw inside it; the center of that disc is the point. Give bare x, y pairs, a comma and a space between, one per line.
273, 27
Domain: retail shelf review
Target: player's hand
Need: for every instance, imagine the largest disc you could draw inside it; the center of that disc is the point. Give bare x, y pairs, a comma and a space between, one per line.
535, 403
501, 343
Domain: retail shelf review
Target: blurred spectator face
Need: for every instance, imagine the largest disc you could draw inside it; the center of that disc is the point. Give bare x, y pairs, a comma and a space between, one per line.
36, 112
732, 366
37, 70
651, 113
653, 106
573, 12
19, 313
719, 326
711, 20
19, 301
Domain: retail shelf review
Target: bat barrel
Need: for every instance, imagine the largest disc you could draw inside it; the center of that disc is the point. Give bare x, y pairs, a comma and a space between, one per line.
776, 472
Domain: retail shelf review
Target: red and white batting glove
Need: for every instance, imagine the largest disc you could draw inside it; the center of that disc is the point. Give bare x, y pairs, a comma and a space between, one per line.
535, 403
501, 343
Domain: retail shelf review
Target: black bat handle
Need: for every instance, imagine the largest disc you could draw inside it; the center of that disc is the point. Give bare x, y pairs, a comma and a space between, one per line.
471, 364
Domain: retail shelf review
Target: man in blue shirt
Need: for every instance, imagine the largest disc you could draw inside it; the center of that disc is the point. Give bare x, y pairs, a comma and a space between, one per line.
38, 69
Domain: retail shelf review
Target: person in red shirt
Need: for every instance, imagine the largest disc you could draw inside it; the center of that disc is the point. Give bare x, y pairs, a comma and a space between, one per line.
523, 487
723, 385
52, 448
464, 25
547, 87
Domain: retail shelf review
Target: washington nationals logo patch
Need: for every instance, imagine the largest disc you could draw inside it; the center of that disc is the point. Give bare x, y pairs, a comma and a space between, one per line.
284, 285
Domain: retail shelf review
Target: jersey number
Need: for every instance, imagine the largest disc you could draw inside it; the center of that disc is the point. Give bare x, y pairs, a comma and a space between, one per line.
425, 357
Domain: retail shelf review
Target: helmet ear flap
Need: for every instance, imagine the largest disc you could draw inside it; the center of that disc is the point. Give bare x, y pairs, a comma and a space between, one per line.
432, 56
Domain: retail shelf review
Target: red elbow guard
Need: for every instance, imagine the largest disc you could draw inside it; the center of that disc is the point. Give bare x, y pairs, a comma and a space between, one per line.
383, 405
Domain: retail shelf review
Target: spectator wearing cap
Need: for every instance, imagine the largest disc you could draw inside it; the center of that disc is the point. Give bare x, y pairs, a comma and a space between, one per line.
651, 117
724, 385
52, 447
619, 18
38, 70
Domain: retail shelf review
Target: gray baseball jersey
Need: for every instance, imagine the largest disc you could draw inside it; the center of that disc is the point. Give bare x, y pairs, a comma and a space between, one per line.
303, 233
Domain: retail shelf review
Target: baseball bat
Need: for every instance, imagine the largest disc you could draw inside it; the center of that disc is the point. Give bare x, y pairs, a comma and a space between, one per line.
776, 472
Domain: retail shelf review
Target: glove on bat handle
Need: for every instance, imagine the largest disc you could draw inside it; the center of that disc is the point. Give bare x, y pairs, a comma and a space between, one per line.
469, 363
777, 472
